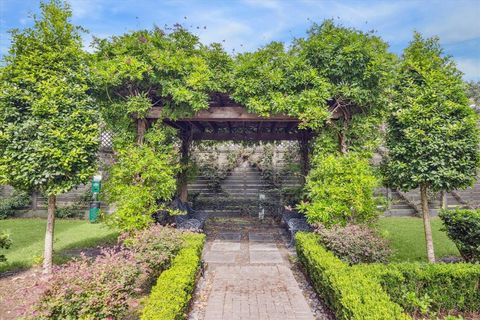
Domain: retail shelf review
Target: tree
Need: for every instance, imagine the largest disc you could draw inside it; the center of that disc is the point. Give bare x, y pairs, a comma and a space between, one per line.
432, 137
48, 123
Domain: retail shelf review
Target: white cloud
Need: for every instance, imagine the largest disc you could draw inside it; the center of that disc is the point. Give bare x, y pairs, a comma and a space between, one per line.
470, 67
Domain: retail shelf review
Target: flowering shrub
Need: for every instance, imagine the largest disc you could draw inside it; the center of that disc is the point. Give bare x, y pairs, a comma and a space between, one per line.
355, 243
104, 287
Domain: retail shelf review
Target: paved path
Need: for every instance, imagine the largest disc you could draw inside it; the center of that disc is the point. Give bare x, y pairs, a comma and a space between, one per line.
249, 277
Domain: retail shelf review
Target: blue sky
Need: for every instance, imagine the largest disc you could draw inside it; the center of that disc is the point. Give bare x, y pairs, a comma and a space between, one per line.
248, 24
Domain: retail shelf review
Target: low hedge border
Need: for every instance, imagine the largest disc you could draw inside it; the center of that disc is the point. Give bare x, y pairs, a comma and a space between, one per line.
170, 297
349, 292
436, 287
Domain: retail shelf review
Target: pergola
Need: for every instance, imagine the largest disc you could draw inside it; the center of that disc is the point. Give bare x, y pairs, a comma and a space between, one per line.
226, 120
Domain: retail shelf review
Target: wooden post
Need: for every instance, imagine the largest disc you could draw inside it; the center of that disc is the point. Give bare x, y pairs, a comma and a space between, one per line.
186, 137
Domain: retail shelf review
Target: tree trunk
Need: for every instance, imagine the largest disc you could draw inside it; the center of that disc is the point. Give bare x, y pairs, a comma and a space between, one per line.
443, 199
141, 128
182, 179
342, 143
47, 255
426, 224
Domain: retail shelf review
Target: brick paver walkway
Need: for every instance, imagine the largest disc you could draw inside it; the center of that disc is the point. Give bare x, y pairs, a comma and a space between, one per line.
251, 279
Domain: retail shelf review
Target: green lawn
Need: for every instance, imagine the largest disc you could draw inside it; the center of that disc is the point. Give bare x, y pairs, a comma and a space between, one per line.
408, 240
28, 239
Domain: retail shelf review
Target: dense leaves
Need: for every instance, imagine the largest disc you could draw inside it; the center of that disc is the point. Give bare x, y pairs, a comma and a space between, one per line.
463, 227
106, 286
142, 177
355, 243
48, 124
340, 189
275, 81
5, 243
432, 136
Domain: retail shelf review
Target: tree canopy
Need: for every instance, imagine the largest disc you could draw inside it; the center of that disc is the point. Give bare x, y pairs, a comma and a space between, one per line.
48, 121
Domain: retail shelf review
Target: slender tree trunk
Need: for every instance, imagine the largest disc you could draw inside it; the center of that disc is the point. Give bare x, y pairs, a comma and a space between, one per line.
443, 199
182, 178
47, 255
426, 224
342, 143
141, 128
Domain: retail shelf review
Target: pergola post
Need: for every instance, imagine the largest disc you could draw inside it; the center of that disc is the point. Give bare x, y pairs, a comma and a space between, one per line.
182, 180
304, 156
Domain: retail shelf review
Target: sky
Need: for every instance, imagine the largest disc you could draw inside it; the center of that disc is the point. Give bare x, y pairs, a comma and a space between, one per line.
244, 25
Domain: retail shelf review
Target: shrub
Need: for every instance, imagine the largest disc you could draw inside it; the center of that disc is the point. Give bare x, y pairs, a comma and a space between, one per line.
69, 212
422, 288
17, 200
463, 228
5, 243
355, 243
349, 292
170, 297
341, 190
102, 287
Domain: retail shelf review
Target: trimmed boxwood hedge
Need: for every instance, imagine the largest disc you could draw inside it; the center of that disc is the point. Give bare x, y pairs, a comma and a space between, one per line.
170, 297
447, 287
349, 292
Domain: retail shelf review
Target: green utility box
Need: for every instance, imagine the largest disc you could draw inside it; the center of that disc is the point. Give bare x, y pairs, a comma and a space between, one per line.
93, 213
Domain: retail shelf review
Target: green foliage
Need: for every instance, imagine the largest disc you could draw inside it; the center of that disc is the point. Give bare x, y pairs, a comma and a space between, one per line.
170, 297
432, 134
72, 211
17, 200
428, 288
355, 243
349, 292
340, 189
5, 243
360, 73
273, 80
142, 69
48, 123
463, 227
142, 177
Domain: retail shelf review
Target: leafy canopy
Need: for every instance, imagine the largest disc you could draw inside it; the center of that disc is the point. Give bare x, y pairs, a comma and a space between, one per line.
48, 124
144, 69
273, 80
432, 134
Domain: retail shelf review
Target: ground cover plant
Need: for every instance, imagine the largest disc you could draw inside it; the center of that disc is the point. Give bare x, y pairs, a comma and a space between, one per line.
106, 286
407, 240
27, 236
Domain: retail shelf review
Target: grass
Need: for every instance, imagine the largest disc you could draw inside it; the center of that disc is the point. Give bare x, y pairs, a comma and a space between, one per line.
28, 240
408, 241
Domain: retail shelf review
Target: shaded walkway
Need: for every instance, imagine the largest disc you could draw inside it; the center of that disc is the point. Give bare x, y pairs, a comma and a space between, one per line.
248, 275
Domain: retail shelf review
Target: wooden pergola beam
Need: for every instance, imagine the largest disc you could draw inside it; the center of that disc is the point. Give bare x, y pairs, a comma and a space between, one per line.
250, 136
223, 114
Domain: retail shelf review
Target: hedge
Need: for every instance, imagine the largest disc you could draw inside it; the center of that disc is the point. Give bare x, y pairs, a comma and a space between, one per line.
443, 287
349, 292
170, 297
